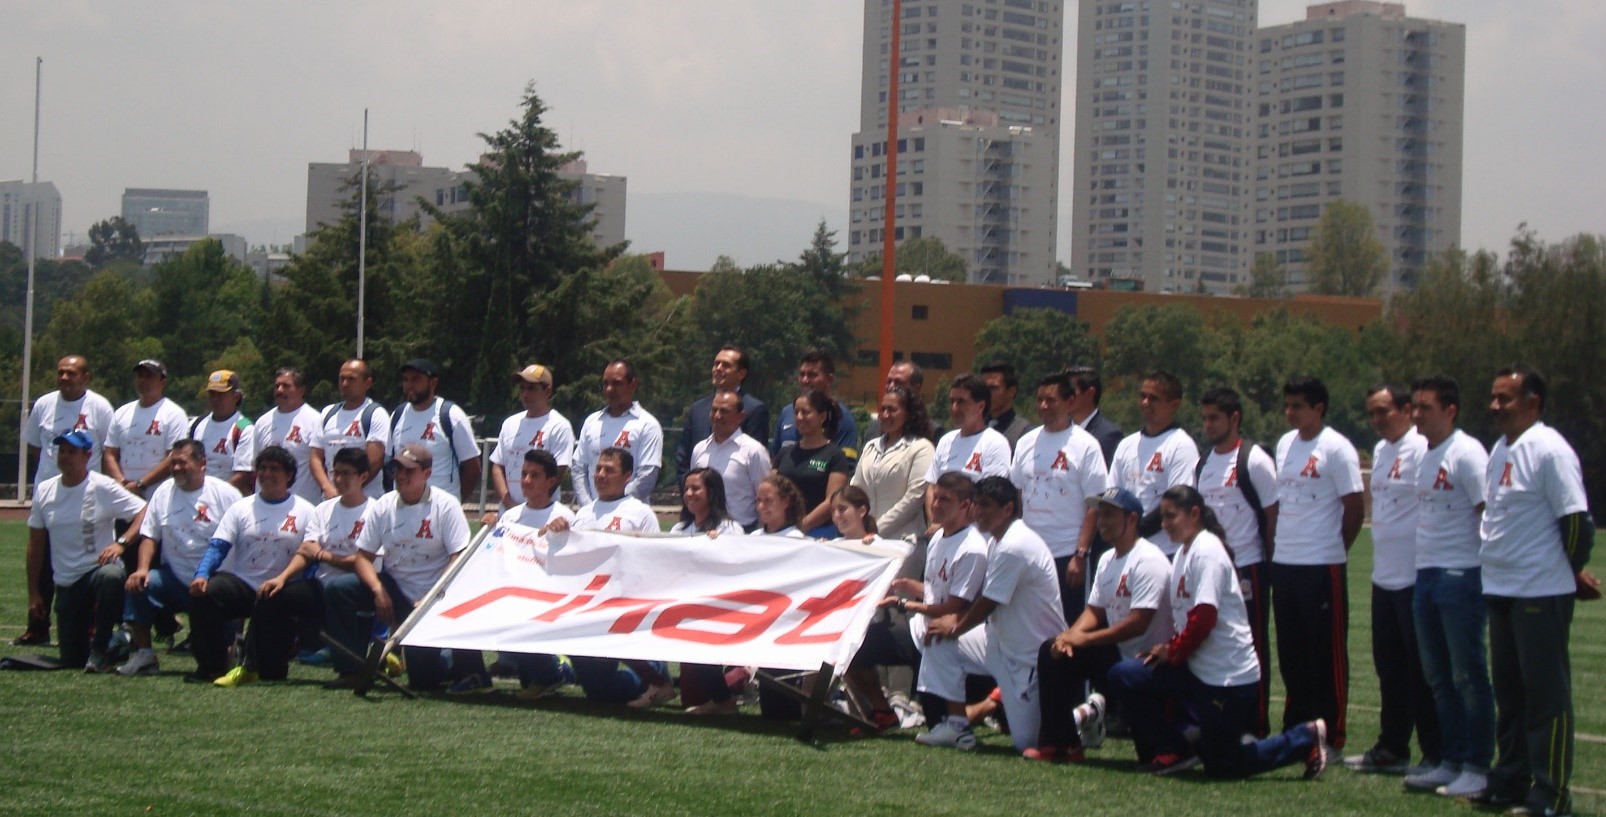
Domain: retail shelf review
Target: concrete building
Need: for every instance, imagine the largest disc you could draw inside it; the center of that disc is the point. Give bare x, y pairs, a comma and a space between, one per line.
156, 212
978, 137
606, 192
21, 201
1360, 102
1163, 144
161, 248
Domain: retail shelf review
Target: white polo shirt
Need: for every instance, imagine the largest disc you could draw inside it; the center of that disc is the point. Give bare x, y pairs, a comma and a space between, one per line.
1532, 482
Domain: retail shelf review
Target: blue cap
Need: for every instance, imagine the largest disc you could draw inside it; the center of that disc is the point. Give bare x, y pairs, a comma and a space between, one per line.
76, 439
1120, 498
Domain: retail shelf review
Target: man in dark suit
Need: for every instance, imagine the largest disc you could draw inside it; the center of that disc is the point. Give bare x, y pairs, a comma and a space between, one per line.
1089, 389
729, 372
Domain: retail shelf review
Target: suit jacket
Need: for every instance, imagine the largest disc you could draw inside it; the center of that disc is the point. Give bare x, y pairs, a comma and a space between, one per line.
1107, 433
696, 428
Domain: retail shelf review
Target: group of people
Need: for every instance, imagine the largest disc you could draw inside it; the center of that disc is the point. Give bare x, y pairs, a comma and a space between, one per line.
1092, 576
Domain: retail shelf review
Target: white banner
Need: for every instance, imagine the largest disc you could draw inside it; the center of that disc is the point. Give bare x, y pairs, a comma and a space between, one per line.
764, 601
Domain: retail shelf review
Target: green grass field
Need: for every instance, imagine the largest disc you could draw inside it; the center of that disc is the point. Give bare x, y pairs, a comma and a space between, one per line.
81, 744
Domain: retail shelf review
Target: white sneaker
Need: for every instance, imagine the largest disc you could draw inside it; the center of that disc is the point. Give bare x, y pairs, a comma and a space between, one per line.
142, 662
1090, 721
946, 734
1469, 783
1432, 779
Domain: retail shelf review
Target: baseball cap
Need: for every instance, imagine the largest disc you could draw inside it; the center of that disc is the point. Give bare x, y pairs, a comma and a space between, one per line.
1118, 497
423, 366
534, 373
223, 381
153, 366
77, 439
413, 455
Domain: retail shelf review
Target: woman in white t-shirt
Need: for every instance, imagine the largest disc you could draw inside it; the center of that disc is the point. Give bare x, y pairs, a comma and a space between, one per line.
702, 505
780, 506
1208, 666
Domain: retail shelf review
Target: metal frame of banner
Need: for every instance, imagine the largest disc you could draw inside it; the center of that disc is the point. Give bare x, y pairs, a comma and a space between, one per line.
373, 666
791, 684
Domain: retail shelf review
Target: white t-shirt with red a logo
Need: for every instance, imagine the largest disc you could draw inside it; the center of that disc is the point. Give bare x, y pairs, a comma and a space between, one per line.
1056, 471
344, 429
1450, 487
1203, 574
636, 431
1148, 466
296, 432
185, 521
1312, 476
336, 528
1533, 482
520, 434
983, 454
626, 514
1394, 510
417, 541
142, 435
264, 536
442, 433
1137, 580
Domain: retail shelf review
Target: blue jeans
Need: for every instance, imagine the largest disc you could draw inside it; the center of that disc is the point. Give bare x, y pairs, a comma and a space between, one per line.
604, 680
164, 591
349, 620
1450, 619
1221, 713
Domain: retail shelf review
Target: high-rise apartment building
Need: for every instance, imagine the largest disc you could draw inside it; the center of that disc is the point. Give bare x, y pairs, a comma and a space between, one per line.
978, 133
1360, 102
156, 212
21, 201
1163, 144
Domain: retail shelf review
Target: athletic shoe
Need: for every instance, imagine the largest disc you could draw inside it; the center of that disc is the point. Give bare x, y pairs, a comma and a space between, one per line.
535, 692
142, 662
1317, 762
882, 719
1424, 767
237, 677
1169, 764
32, 638
725, 707
394, 665
97, 663
1055, 754
476, 684
655, 695
314, 658
1090, 721
348, 681
1433, 778
946, 734
1377, 760
1467, 784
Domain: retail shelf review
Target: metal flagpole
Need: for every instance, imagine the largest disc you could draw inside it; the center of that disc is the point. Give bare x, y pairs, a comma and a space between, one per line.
362, 238
30, 229
889, 244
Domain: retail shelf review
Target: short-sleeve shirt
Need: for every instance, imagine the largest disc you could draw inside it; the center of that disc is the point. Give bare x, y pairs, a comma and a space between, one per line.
441, 434
521, 434
537, 518
231, 444
1219, 484
956, 565
1450, 487
743, 463
1148, 466
143, 435
726, 527
80, 521
1055, 472
1022, 580
52, 417
627, 514
264, 536
1204, 574
297, 432
417, 541
336, 530
1394, 510
636, 431
983, 454
185, 521
811, 469
1533, 482
1313, 476
342, 428
1137, 580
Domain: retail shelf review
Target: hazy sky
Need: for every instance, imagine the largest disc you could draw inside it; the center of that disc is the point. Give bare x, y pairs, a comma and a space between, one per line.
735, 97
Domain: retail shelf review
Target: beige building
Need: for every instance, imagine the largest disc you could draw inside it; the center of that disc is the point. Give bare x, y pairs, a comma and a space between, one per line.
1360, 102
21, 202
979, 114
1163, 144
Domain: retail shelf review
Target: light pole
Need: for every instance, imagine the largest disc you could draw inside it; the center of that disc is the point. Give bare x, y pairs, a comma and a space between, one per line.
30, 220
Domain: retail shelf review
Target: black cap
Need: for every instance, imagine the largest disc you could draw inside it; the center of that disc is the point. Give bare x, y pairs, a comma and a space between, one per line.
423, 366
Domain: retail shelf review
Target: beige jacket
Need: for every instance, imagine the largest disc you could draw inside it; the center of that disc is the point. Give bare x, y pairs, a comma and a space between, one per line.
894, 477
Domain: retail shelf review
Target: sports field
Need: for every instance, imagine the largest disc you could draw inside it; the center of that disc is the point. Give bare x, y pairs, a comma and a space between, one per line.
75, 744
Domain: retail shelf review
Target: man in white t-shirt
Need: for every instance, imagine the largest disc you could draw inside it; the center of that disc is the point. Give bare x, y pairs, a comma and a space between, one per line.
72, 407
1537, 534
741, 461
409, 538
1238, 481
1157, 456
971, 448
622, 423
1127, 613
439, 425
1019, 601
1407, 703
250, 558
227, 434
143, 431
1319, 514
1057, 466
1448, 605
538, 428
332, 546
293, 425
354, 422
184, 512
71, 525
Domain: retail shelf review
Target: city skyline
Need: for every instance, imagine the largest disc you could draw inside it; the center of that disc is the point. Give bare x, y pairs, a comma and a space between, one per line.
745, 111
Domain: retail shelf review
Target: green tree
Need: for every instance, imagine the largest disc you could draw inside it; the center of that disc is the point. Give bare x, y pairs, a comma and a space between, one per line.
926, 255
108, 323
54, 281
113, 240
1037, 342
207, 301
1267, 279
830, 298
1346, 257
